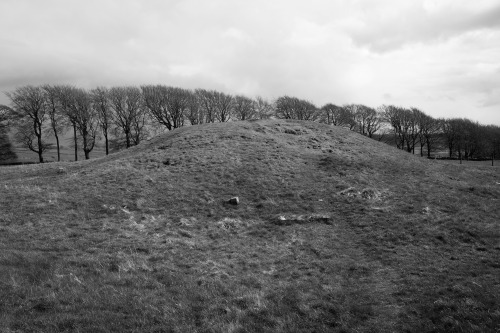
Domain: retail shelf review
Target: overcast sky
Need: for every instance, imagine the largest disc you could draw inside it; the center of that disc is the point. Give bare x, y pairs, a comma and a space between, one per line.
442, 56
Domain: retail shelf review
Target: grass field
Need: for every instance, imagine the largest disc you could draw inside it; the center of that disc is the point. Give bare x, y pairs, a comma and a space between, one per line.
334, 232
67, 153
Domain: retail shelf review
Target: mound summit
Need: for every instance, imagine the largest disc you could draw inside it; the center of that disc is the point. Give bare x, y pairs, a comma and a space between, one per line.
334, 232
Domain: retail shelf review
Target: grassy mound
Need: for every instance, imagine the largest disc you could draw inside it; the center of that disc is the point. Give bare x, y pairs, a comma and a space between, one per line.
334, 232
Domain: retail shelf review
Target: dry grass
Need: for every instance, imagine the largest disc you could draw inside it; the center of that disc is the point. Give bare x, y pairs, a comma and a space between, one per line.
334, 233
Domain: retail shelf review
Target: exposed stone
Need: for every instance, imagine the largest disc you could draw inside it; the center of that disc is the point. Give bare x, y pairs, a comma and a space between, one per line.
185, 233
370, 193
184, 221
350, 192
234, 201
367, 193
302, 219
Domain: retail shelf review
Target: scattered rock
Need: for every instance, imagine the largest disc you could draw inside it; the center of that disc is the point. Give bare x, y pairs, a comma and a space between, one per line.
370, 193
234, 201
302, 219
184, 222
125, 210
138, 226
350, 192
367, 193
185, 233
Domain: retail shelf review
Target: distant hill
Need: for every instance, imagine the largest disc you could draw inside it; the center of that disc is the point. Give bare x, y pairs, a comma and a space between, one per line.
334, 232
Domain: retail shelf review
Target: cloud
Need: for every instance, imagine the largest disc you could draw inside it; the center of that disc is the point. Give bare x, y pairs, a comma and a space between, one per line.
422, 53
391, 26
307, 34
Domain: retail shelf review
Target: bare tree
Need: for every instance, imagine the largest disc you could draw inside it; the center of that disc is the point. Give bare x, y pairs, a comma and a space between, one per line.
30, 109
470, 139
492, 142
167, 105
128, 112
224, 106
461, 136
25, 135
466, 139
404, 126
450, 131
86, 119
56, 116
178, 101
216, 106
140, 125
208, 103
411, 125
373, 122
101, 105
66, 98
366, 119
294, 108
429, 133
263, 108
392, 116
332, 114
195, 113
349, 112
244, 108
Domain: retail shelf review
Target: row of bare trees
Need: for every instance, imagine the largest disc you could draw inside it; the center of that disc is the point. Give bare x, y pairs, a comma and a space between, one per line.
409, 129
356, 117
39, 112
121, 116
465, 139
124, 116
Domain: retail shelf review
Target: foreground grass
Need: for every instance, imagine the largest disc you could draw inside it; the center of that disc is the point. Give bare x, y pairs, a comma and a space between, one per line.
334, 233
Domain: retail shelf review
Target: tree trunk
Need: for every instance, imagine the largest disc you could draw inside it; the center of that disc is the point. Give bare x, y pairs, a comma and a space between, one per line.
40, 149
40, 144
58, 148
85, 150
107, 144
127, 139
76, 143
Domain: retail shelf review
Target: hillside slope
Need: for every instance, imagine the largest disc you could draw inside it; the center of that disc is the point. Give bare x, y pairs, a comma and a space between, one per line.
334, 232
